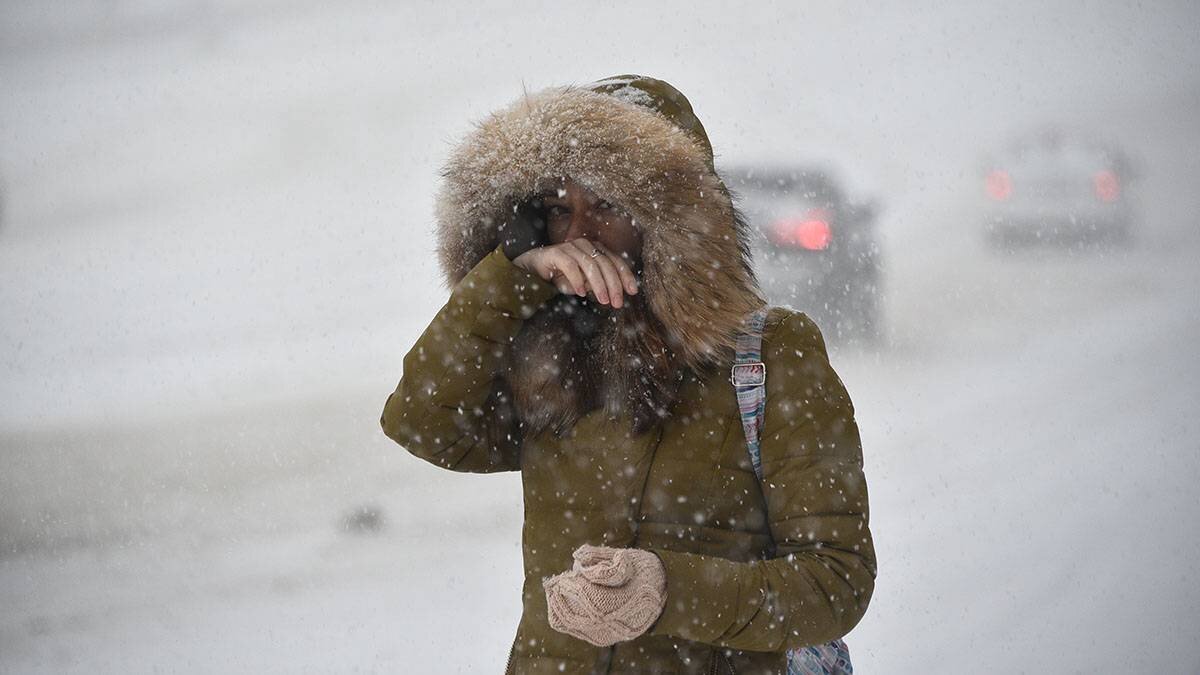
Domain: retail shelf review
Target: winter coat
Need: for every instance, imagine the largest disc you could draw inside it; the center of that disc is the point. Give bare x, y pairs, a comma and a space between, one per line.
753, 568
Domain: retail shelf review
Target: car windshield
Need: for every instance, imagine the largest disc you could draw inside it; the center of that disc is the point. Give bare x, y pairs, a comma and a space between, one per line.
1058, 151
769, 196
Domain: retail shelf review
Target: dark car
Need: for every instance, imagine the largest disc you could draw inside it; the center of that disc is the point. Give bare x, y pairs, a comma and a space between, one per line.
814, 249
1053, 186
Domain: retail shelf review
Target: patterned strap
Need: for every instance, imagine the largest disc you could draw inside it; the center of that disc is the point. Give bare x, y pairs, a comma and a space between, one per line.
749, 378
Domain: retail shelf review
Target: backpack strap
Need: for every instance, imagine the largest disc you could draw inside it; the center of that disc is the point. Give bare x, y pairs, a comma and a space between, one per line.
749, 378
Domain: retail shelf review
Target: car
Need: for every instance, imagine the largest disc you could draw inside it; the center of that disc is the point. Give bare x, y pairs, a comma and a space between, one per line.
1053, 186
814, 249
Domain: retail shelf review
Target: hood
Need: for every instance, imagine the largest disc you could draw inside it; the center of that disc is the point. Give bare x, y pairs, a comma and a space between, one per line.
636, 142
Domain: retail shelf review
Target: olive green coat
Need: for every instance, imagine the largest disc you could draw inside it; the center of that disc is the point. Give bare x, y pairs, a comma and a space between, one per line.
753, 569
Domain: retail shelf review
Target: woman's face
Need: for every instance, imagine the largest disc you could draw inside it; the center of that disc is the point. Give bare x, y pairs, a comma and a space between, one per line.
575, 212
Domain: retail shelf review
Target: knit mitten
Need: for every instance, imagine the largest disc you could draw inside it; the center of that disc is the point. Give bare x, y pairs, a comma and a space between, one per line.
524, 230
610, 595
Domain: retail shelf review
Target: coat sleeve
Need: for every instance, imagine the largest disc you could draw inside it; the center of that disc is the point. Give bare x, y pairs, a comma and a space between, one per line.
820, 581
443, 410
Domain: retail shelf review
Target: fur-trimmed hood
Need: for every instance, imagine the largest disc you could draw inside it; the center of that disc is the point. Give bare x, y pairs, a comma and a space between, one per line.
635, 142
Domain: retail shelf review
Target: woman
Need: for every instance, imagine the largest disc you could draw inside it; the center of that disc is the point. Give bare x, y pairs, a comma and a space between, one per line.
600, 281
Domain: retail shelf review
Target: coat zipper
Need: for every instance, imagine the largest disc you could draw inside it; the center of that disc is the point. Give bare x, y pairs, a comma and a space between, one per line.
718, 653
604, 660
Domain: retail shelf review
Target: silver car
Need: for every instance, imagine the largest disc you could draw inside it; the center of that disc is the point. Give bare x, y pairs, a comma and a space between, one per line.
1054, 187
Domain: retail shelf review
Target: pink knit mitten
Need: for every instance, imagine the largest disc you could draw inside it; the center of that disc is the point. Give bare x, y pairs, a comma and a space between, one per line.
610, 595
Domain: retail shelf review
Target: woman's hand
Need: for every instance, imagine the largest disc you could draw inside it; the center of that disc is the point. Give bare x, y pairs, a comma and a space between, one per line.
579, 266
610, 595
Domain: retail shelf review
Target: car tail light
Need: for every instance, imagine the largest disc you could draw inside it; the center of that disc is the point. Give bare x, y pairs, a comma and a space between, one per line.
1107, 186
810, 232
999, 185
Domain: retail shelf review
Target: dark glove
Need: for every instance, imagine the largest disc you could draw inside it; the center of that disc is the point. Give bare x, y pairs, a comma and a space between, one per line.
525, 230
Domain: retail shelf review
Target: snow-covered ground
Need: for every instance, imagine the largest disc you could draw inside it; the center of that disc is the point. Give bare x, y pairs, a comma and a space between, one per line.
214, 251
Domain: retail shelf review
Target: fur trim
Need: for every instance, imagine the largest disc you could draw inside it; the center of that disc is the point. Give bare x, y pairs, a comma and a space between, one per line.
572, 358
697, 285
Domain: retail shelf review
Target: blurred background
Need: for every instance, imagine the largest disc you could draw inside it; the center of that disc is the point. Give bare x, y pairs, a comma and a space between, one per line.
216, 247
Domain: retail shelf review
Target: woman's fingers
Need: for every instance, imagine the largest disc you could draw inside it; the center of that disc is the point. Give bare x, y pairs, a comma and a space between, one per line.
555, 266
581, 265
614, 286
560, 269
580, 252
628, 278
618, 278
560, 282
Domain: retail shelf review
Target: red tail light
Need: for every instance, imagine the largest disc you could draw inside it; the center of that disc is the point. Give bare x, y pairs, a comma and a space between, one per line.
1107, 186
811, 231
999, 185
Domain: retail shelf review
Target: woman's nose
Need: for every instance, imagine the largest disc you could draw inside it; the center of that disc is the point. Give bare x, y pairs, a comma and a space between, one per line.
582, 226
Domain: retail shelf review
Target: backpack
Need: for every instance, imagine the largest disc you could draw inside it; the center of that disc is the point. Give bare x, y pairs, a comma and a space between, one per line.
749, 378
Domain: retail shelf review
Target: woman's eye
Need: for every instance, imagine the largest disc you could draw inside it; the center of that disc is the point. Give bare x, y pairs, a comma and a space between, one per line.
555, 211
604, 205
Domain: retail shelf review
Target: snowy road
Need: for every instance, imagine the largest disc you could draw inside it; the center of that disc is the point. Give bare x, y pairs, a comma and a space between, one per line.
202, 325
1034, 470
